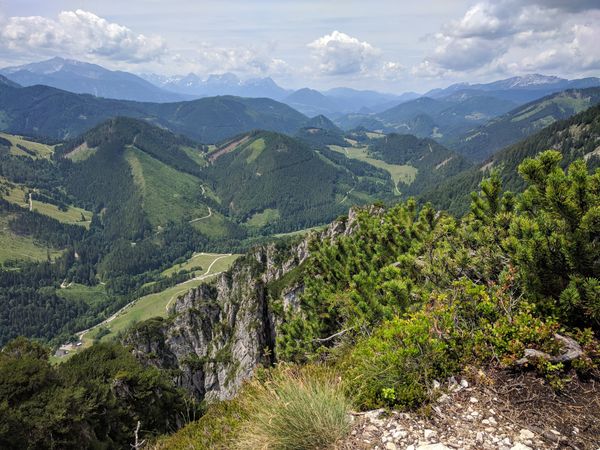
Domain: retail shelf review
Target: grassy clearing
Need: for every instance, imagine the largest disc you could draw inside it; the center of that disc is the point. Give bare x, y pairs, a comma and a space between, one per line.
81, 153
214, 227
202, 260
16, 194
255, 149
154, 305
73, 215
89, 294
15, 247
167, 193
261, 219
196, 155
399, 173
41, 150
563, 102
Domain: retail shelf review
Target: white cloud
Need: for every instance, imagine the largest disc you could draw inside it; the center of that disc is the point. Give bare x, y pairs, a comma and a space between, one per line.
340, 54
511, 36
77, 34
208, 58
392, 70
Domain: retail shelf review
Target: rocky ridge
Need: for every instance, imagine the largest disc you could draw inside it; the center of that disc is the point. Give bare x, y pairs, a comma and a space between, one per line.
220, 332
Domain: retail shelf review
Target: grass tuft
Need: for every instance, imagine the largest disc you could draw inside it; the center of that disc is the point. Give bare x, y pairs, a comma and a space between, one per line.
294, 410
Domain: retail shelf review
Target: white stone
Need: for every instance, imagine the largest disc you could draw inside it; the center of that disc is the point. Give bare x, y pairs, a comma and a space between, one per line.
400, 434
410, 447
464, 383
473, 400
437, 446
519, 446
526, 434
390, 446
492, 421
443, 398
479, 438
436, 384
429, 434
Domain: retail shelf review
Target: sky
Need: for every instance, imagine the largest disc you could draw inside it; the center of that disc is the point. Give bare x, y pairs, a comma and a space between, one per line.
387, 45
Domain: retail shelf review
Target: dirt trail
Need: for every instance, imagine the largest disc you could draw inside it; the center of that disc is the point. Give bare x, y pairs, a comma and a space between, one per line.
346, 196
115, 315
202, 218
198, 278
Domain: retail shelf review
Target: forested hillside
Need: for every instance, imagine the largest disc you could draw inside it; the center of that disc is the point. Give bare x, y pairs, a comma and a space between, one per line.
49, 112
121, 203
275, 174
574, 138
480, 143
443, 119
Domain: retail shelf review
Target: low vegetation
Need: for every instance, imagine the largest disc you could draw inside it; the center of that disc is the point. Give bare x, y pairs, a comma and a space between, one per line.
285, 409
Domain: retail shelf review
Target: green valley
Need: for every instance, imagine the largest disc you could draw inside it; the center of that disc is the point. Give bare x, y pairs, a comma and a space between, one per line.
201, 267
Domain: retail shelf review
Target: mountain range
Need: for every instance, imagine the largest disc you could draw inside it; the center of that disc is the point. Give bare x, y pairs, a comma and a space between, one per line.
575, 138
57, 114
84, 78
520, 89
80, 77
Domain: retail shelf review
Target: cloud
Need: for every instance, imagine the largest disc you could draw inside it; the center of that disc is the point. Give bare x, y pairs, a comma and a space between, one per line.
391, 70
340, 54
568, 5
208, 58
511, 36
77, 34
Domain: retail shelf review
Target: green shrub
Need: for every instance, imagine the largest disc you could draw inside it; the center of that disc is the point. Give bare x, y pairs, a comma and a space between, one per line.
395, 366
294, 410
215, 430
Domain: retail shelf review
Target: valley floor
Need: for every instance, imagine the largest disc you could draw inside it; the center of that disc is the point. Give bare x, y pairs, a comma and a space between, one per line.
204, 267
497, 412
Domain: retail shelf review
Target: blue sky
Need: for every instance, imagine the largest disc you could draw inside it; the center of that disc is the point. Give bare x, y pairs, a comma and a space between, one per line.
386, 45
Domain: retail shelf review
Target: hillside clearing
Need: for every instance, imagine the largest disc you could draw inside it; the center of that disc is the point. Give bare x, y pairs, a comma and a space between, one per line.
154, 305
400, 173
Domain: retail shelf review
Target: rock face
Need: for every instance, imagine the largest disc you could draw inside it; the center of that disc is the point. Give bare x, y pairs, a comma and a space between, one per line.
221, 332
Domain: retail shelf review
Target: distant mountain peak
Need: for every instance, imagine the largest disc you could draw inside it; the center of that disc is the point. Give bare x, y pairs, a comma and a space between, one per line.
533, 79
87, 78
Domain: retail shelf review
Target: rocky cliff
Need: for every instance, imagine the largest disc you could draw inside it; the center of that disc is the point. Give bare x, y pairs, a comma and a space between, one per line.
220, 332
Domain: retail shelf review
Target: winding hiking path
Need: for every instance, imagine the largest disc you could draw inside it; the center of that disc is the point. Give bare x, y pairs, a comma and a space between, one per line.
198, 278
209, 210
347, 194
202, 218
115, 315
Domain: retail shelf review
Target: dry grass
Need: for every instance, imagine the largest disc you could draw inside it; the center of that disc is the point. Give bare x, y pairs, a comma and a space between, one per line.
294, 409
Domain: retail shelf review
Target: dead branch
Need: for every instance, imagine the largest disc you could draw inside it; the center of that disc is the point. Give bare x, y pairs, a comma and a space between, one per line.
572, 351
333, 336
